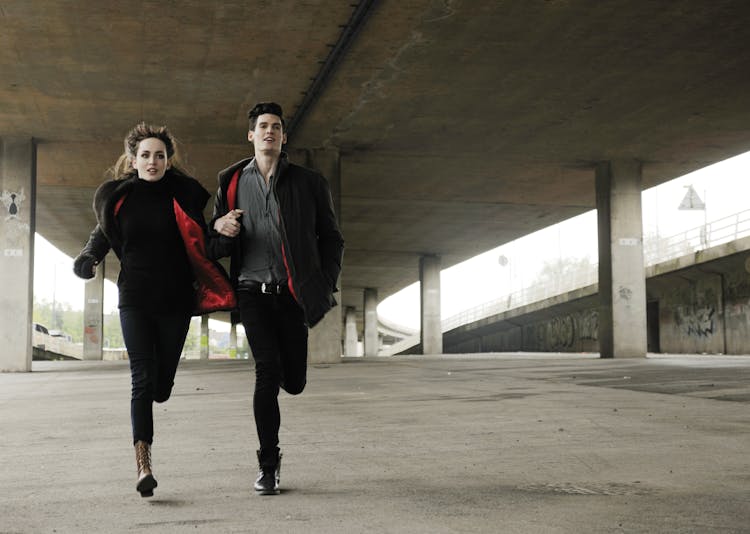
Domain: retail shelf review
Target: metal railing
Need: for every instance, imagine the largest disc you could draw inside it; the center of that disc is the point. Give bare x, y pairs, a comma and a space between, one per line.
725, 230
655, 250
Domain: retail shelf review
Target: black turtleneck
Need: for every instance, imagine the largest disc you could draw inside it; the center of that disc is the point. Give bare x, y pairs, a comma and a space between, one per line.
155, 270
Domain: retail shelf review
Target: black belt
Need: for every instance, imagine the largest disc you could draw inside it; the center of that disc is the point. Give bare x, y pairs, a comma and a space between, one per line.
265, 288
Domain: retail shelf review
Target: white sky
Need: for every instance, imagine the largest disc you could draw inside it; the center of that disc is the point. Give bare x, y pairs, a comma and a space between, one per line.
724, 187
54, 280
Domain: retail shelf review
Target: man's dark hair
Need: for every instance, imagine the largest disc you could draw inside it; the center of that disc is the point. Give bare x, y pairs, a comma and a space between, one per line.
265, 107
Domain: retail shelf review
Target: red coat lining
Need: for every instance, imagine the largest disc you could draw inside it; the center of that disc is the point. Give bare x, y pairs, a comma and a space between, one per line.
118, 205
214, 292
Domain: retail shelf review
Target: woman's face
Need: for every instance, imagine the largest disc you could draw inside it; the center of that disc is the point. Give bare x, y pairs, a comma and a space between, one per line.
151, 159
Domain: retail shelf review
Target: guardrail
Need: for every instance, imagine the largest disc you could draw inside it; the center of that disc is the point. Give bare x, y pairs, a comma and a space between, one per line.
718, 232
655, 250
56, 345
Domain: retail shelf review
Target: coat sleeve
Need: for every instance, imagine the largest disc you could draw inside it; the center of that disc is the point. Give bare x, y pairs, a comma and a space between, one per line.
220, 209
92, 254
217, 245
330, 240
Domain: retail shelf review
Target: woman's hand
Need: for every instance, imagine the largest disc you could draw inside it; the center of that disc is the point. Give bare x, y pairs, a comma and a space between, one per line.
229, 225
84, 266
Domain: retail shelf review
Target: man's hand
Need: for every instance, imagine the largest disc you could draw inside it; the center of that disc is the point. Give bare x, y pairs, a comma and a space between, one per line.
229, 224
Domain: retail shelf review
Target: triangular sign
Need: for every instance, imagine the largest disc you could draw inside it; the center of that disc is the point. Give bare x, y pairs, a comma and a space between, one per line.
692, 201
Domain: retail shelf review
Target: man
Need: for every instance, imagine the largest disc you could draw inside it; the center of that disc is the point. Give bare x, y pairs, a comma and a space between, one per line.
280, 229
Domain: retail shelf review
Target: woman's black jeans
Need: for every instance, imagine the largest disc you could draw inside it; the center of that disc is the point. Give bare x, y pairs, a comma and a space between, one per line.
154, 341
277, 334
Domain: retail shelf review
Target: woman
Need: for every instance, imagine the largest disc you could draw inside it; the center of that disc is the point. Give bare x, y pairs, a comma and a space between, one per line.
151, 215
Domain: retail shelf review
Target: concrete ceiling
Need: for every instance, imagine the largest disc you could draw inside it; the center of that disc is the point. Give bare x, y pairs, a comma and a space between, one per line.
461, 125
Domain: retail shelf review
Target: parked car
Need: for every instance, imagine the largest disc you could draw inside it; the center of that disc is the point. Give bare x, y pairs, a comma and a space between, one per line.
40, 328
39, 336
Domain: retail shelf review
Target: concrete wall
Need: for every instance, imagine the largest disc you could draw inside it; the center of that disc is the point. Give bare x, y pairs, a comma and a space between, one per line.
690, 310
564, 332
575, 332
737, 311
697, 304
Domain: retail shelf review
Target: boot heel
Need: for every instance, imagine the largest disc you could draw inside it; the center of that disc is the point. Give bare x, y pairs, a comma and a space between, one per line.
269, 474
146, 481
146, 486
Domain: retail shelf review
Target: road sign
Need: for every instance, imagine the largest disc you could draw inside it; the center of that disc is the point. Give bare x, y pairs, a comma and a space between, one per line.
692, 201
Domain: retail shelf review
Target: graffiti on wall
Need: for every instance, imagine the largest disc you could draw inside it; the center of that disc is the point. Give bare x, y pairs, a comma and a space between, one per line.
625, 293
737, 286
587, 325
560, 332
15, 233
563, 333
12, 200
696, 321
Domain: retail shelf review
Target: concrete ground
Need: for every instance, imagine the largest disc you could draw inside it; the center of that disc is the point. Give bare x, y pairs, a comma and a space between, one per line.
474, 443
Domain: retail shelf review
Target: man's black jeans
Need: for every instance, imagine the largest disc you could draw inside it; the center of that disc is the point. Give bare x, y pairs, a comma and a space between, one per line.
277, 334
154, 341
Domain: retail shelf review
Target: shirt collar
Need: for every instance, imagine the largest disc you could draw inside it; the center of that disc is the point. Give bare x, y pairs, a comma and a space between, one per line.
281, 165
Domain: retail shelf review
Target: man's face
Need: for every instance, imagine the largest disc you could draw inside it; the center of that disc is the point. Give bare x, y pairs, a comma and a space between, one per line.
268, 135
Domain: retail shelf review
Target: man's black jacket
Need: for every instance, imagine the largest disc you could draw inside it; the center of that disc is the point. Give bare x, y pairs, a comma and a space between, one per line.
312, 245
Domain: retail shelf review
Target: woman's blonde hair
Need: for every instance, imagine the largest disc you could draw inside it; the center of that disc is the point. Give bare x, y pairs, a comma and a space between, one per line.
123, 168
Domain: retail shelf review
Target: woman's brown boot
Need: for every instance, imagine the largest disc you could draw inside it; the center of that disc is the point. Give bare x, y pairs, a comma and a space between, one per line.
146, 481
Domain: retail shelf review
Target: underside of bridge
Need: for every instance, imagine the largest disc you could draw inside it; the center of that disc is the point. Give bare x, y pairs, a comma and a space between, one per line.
460, 125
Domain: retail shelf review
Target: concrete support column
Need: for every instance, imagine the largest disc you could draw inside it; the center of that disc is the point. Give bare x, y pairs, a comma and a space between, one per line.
204, 337
350, 339
622, 282
93, 315
324, 340
233, 341
431, 331
371, 340
17, 226
324, 343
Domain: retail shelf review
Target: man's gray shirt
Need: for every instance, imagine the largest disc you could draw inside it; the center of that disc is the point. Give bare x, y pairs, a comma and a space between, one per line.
262, 260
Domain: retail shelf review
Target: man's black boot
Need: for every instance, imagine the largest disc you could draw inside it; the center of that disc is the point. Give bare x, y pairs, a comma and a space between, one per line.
269, 473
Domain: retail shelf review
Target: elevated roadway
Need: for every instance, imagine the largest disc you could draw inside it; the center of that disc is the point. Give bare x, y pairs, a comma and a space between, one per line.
447, 128
696, 286
461, 125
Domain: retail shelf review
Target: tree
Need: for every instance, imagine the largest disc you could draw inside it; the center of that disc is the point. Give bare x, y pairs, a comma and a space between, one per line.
62, 318
70, 322
659, 248
192, 341
112, 331
564, 274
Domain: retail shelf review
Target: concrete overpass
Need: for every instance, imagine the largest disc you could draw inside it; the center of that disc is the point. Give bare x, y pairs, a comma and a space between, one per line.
697, 304
446, 128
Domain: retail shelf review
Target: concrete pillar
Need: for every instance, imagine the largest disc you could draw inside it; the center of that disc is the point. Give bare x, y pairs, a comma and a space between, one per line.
324, 342
350, 338
371, 339
233, 341
93, 315
204, 337
431, 331
17, 226
622, 282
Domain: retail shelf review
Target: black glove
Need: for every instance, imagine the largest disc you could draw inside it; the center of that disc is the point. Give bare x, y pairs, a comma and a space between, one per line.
83, 266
